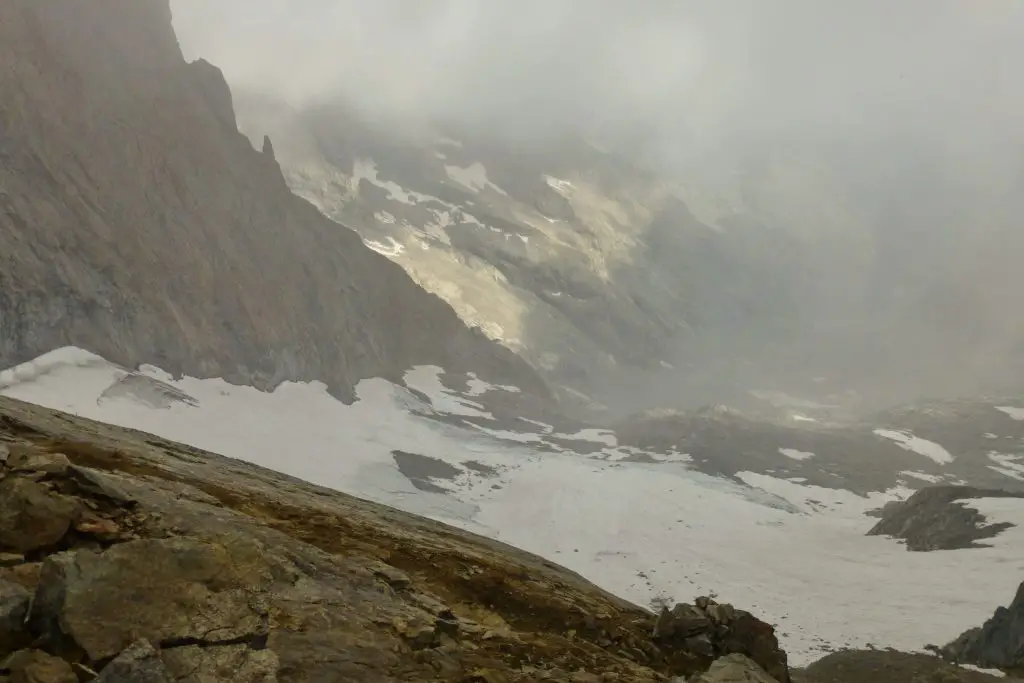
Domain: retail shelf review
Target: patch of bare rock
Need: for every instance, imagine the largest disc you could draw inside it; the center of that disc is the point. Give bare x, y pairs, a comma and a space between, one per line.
940, 518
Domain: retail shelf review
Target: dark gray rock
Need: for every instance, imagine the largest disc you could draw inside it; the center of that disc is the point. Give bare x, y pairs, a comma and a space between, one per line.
14, 605
997, 644
940, 518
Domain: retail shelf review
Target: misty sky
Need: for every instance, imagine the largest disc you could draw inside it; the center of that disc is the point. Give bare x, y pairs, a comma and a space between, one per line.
725, 67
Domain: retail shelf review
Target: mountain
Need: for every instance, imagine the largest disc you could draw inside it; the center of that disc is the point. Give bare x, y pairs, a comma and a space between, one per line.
590, 267
854, 266
136, 221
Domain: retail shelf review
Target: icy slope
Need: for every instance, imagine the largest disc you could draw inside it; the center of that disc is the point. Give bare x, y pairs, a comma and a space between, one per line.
796, 554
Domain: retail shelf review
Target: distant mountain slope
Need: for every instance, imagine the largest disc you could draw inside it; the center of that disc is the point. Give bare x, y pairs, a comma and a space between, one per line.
587, 265
137, 222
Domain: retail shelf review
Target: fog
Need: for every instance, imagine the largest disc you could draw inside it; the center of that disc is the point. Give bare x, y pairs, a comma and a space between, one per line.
652, 66
904, 117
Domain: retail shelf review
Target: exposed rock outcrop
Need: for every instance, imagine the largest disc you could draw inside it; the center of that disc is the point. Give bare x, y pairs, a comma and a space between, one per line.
997, 644
137, 222
707, 631
940, 518
170, 563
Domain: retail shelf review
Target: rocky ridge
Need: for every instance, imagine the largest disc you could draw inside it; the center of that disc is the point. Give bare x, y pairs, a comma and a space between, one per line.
137, 222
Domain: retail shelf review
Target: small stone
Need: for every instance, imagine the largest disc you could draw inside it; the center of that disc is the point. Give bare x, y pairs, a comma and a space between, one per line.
5, 452
100, 527
35, 666
138, 663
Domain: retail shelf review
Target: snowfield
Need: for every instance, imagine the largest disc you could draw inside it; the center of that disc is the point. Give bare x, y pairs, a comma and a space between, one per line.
793, 554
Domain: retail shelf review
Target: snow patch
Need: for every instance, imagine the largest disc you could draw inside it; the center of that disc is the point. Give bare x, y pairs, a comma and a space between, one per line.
1015, 413
1011, 466
923, 476
795, 454
473, 177
393, 249
916, 444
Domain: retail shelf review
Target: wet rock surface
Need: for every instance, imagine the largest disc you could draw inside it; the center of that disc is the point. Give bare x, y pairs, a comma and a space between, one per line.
172, 564
940, 518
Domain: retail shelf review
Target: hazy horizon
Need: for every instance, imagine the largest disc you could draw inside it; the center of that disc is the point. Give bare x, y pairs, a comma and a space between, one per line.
902, 118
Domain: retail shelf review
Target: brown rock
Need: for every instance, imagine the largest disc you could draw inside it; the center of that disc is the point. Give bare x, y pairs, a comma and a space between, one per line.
32, 516
30, 459
173, 590
34, 666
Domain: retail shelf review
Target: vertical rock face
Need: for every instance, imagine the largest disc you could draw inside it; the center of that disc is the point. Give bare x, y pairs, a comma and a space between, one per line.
137, 222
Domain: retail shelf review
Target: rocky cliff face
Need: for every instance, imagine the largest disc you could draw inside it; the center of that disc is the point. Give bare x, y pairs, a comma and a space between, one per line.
136, 221
998, 643
123, 554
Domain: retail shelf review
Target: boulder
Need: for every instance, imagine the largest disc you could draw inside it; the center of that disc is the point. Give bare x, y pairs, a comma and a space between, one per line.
734, 668
139, 663
32, 516
173, 591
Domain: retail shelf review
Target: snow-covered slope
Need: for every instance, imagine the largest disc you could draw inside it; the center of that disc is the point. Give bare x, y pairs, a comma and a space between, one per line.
647, 531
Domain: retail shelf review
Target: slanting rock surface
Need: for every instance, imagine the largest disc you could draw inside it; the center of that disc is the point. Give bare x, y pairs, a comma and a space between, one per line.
170, 563
138, 223
998, 643
940, 518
